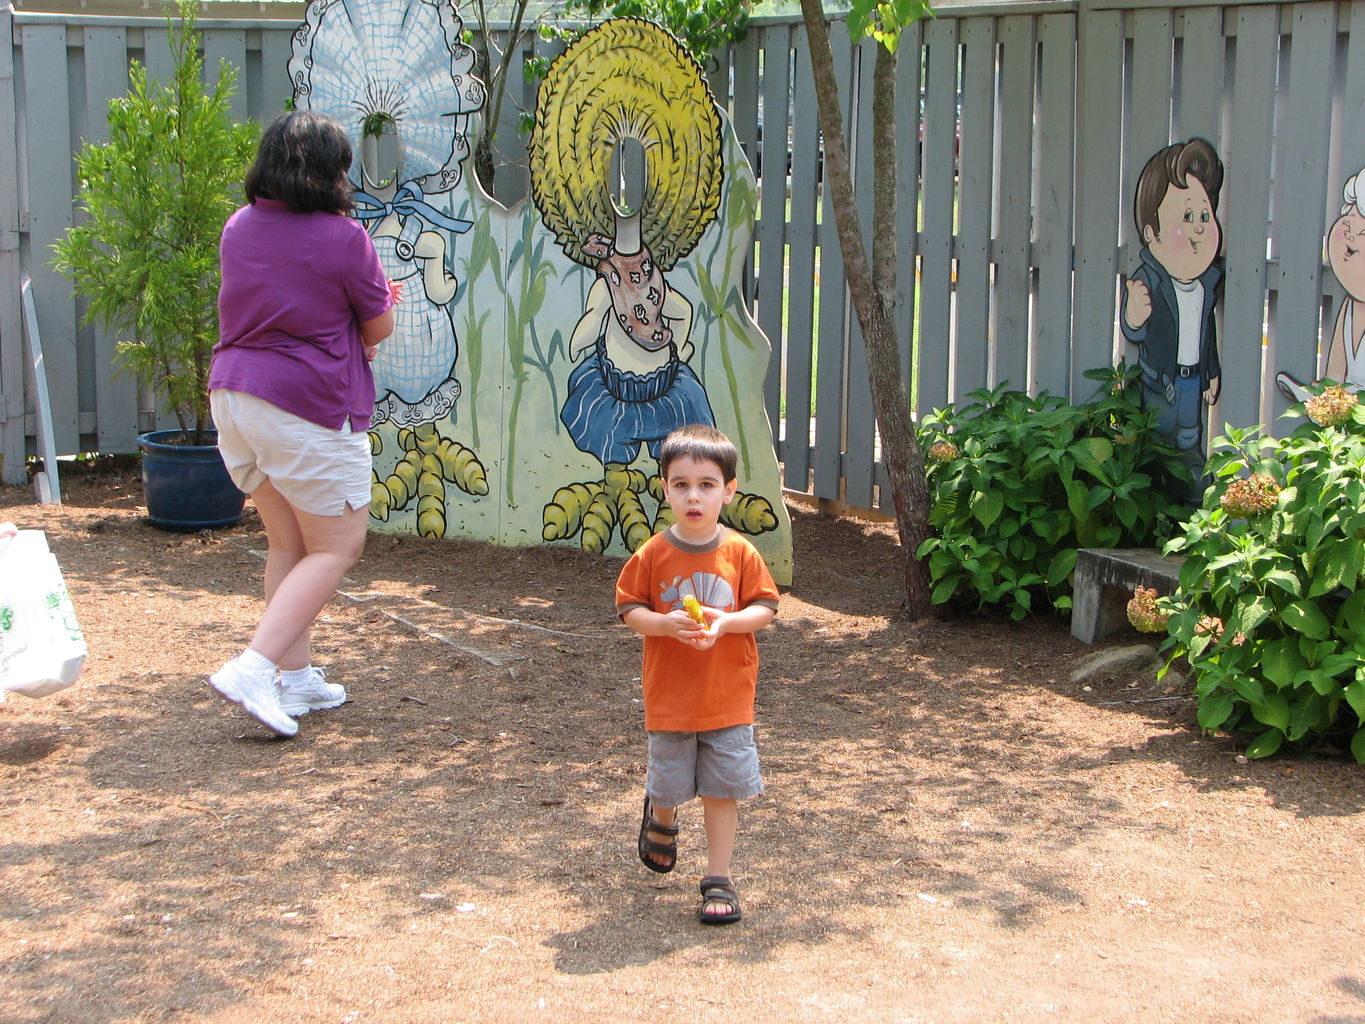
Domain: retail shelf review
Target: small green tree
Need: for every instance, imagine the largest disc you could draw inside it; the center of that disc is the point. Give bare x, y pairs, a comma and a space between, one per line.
872, 275
156, 196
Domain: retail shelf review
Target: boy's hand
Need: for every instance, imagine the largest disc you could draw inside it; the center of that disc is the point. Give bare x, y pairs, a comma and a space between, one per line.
708, 635
680, 625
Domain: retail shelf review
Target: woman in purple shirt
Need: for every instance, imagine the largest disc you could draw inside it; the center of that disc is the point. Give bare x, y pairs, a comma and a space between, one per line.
302, 307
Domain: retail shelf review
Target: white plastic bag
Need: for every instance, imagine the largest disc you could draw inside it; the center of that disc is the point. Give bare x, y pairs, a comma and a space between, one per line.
41, 646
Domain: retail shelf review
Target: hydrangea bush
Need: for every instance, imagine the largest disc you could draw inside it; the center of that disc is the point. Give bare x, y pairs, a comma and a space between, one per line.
1019, 483
1268, 611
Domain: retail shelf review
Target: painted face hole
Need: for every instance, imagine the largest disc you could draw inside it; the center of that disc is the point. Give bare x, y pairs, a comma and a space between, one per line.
380, 150
628, 176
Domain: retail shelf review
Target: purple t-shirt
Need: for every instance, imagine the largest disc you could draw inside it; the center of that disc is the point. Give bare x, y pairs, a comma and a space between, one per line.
296, 288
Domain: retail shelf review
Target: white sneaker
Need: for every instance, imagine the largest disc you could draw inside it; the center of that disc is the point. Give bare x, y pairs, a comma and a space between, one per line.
315, 695
256, 693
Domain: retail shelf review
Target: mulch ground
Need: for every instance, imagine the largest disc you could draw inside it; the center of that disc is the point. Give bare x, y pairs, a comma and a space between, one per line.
954, 830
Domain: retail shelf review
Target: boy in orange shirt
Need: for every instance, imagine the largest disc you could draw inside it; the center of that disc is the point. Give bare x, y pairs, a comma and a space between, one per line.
699, 676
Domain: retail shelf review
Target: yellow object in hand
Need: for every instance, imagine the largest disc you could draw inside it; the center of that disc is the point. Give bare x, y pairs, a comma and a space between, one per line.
693, 608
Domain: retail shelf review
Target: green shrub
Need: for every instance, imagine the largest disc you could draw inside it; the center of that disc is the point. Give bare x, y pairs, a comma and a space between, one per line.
1267, 611
1018, 484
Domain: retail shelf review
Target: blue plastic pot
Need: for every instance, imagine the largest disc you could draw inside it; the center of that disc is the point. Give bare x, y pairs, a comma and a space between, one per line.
186, 486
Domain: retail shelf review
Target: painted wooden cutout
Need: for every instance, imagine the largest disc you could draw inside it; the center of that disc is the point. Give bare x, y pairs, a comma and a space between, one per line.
629, 82
1345, 351
1167, 305
542, 352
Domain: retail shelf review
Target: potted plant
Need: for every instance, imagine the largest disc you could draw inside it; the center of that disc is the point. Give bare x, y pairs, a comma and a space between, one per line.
145, 256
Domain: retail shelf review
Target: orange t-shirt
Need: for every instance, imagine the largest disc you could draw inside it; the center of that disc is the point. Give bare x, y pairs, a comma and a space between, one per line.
687, 690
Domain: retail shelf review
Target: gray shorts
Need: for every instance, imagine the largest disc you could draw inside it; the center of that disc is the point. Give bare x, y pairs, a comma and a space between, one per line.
721, 763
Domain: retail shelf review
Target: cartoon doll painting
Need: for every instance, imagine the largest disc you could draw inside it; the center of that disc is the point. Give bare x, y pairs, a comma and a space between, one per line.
1345, 242
397, 75
1167, 306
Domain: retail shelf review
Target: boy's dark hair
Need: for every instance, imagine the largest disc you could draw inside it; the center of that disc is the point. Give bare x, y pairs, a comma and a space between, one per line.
302, 162
703, 443
1172, 166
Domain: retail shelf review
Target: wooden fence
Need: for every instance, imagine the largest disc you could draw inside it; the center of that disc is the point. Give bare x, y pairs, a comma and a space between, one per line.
1021, 130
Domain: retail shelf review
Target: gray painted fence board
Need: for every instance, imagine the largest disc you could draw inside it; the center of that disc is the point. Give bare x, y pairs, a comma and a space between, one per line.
1056, 184
1201, 75
860, 431
936, 238
1247, 186
12, 432
106, 75
770, 230
48, 144
156, 54
830, 359
1013, 273
972, 351
1098, 209
275, 88
1153, 83
1303, 194
1352, 127
799, 343
907, 204
228, 45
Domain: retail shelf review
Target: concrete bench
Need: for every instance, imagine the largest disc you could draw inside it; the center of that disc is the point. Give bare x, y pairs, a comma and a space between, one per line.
1104, 582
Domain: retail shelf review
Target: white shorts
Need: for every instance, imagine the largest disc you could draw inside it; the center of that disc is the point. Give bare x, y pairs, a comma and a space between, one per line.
318, 470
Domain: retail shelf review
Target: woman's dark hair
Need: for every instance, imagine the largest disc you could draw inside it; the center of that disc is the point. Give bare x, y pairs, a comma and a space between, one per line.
302, 162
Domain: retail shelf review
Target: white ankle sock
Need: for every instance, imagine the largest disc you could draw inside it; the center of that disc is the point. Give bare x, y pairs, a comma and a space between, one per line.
296, 676
254, 661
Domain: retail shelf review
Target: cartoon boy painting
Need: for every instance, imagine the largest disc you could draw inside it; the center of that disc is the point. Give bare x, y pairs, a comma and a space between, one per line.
1167, 305
1346, 254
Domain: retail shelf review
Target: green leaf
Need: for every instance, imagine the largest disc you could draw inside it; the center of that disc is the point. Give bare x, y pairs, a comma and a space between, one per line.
1306, 716
1306, 618
1214, 711
944, 591
1281, 661
1358, 746
1355, 696
1249, 612
986, 506
1273, 711
1265, 744
1284, 580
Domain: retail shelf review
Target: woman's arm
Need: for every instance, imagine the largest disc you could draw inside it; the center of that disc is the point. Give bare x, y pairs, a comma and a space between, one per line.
372, 332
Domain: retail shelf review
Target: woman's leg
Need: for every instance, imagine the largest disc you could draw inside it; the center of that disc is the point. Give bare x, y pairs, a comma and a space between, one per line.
307, 557
284, 539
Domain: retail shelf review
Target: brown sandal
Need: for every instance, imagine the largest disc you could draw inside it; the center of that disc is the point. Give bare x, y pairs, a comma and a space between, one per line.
646, 846
718, 889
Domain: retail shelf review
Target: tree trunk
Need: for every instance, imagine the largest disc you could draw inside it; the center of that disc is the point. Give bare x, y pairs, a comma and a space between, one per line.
872, 289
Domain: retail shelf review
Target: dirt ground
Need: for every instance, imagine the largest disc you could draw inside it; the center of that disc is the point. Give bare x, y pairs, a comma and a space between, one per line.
954, 830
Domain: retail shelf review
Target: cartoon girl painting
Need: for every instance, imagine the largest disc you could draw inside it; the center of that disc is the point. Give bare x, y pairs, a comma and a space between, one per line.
1345, 242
